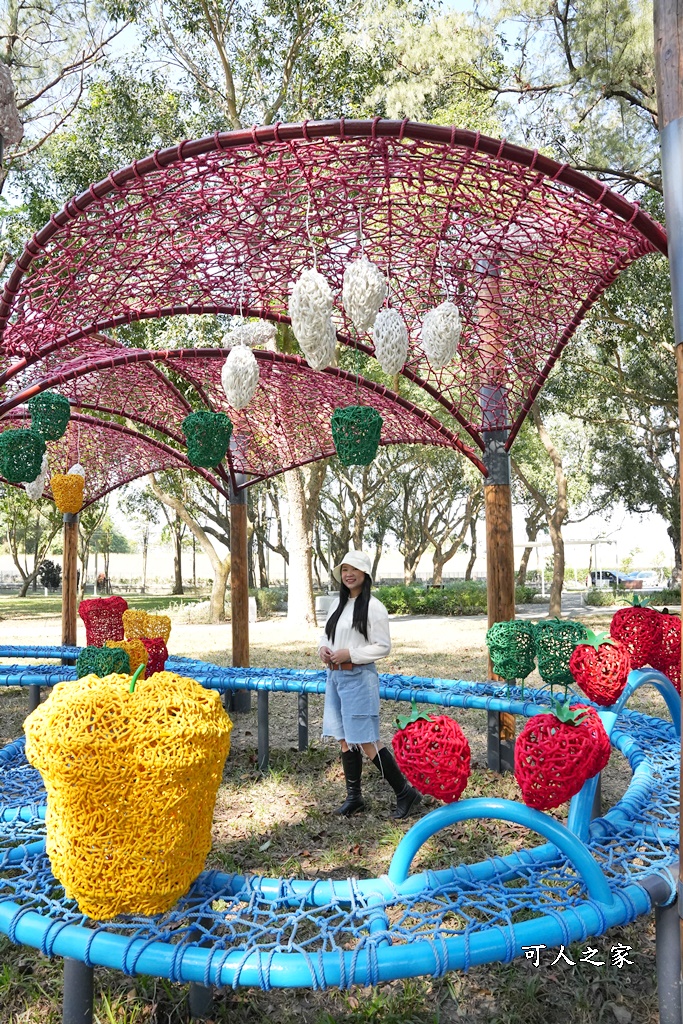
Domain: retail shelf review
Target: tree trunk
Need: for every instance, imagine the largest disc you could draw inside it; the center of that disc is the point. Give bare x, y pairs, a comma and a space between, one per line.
300, 603
438, 563
221, 575
473, 550
178, 556
145, 546
555, 609
220, 566
303, 494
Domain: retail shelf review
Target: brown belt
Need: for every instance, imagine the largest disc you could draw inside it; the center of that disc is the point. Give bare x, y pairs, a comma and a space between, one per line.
345, 666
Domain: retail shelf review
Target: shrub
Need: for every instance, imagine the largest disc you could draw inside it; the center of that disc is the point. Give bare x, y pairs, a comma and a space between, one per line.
525, 595
602, 598
50, 575
270, 600
463, 597
666, 597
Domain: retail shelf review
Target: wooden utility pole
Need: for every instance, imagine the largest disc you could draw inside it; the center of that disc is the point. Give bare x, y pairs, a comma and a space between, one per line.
500, 552
668, 33
239, 591
70, 579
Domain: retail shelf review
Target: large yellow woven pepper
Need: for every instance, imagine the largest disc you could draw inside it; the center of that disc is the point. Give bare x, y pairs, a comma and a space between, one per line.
131, 780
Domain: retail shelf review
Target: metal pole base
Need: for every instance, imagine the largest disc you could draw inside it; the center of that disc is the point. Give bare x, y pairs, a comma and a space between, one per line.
500, 753
668, 945
241, 702
302, 707
596, 809
77, 1004
200, 1001
263, 730
33, 698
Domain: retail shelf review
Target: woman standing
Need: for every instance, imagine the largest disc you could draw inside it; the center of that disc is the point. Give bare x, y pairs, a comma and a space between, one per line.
356, 635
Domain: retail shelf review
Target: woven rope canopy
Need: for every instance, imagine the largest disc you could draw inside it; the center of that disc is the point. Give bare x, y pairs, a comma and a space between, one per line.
225, 224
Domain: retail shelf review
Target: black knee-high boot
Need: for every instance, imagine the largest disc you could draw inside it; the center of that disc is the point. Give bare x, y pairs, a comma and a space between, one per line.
352, 763
407, 797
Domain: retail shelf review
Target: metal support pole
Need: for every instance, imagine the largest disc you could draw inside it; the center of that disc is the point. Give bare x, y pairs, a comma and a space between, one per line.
302, 715
78, 998
263, 730
596, 809
239, 592
33, 697
668, 46
69, 583
668, 952
500, 582
199, 1001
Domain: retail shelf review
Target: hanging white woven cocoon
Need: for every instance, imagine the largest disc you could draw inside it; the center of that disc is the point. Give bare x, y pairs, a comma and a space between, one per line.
239, 376
364, 290
77, 470
310, 309
255, 334
390, 335
441, 333
35, 488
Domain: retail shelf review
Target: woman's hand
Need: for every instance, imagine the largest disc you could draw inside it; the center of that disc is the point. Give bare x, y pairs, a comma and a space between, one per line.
338, 657
326, 654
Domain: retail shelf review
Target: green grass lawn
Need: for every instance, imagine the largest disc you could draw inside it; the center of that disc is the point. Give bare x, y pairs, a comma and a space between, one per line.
24, 607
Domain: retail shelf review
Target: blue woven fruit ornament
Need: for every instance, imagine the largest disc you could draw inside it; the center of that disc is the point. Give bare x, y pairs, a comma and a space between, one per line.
356, 432
21, 455
208, 437
50, 414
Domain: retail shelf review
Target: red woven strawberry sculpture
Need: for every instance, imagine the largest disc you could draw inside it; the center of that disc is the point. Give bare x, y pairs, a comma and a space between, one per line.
601, 667
433, 754
638, 627
557, 752
665, 655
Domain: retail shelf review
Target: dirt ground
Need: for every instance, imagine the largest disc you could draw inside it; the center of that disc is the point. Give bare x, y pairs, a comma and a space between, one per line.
279, 824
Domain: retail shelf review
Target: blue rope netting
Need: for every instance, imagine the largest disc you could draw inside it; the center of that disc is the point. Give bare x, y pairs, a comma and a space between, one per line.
237, 930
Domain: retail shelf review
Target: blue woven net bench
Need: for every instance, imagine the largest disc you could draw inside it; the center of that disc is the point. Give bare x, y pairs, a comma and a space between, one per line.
233, 930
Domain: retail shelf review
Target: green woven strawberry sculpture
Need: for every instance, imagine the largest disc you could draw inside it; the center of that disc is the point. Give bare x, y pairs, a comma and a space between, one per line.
556, 753
601, 667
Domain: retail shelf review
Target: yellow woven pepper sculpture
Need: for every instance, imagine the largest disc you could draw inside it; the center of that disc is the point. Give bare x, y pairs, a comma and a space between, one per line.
137, 624
131, 779
136, 651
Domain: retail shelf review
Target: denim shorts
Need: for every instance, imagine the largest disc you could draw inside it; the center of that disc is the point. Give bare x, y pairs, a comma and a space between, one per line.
352, 705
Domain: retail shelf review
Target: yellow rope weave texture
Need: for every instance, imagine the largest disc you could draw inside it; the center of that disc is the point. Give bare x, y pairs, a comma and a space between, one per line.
137, 624
131, 780
67, 489
136, 651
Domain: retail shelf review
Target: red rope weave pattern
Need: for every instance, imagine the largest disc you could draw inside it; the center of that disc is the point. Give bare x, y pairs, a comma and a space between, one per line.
639, 630
158, 653
103, 619
665, 654
602, 673
523, 245
553, 759
434, 756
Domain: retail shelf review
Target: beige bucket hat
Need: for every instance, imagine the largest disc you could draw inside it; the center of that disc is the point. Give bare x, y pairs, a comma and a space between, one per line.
358, 559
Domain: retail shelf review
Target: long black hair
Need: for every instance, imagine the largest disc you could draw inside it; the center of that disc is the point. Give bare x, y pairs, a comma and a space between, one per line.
360, 609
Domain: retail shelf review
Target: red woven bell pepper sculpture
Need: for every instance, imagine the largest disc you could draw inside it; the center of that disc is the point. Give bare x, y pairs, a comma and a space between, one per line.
639, 629
103, 618
158, 653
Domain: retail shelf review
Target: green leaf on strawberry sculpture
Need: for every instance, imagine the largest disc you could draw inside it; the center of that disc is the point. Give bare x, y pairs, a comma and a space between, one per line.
415, 715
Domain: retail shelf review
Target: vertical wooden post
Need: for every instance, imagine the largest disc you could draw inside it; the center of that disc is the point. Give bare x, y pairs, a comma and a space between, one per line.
239, 591
500, 581
69, 581
668, 40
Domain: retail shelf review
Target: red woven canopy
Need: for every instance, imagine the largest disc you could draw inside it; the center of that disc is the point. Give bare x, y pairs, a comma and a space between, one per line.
522, 244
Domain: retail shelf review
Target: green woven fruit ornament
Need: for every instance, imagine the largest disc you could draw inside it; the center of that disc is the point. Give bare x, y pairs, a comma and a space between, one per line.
50, 414
102, 661
555, 643
512, 647
356, 431
21, 455
208, 437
